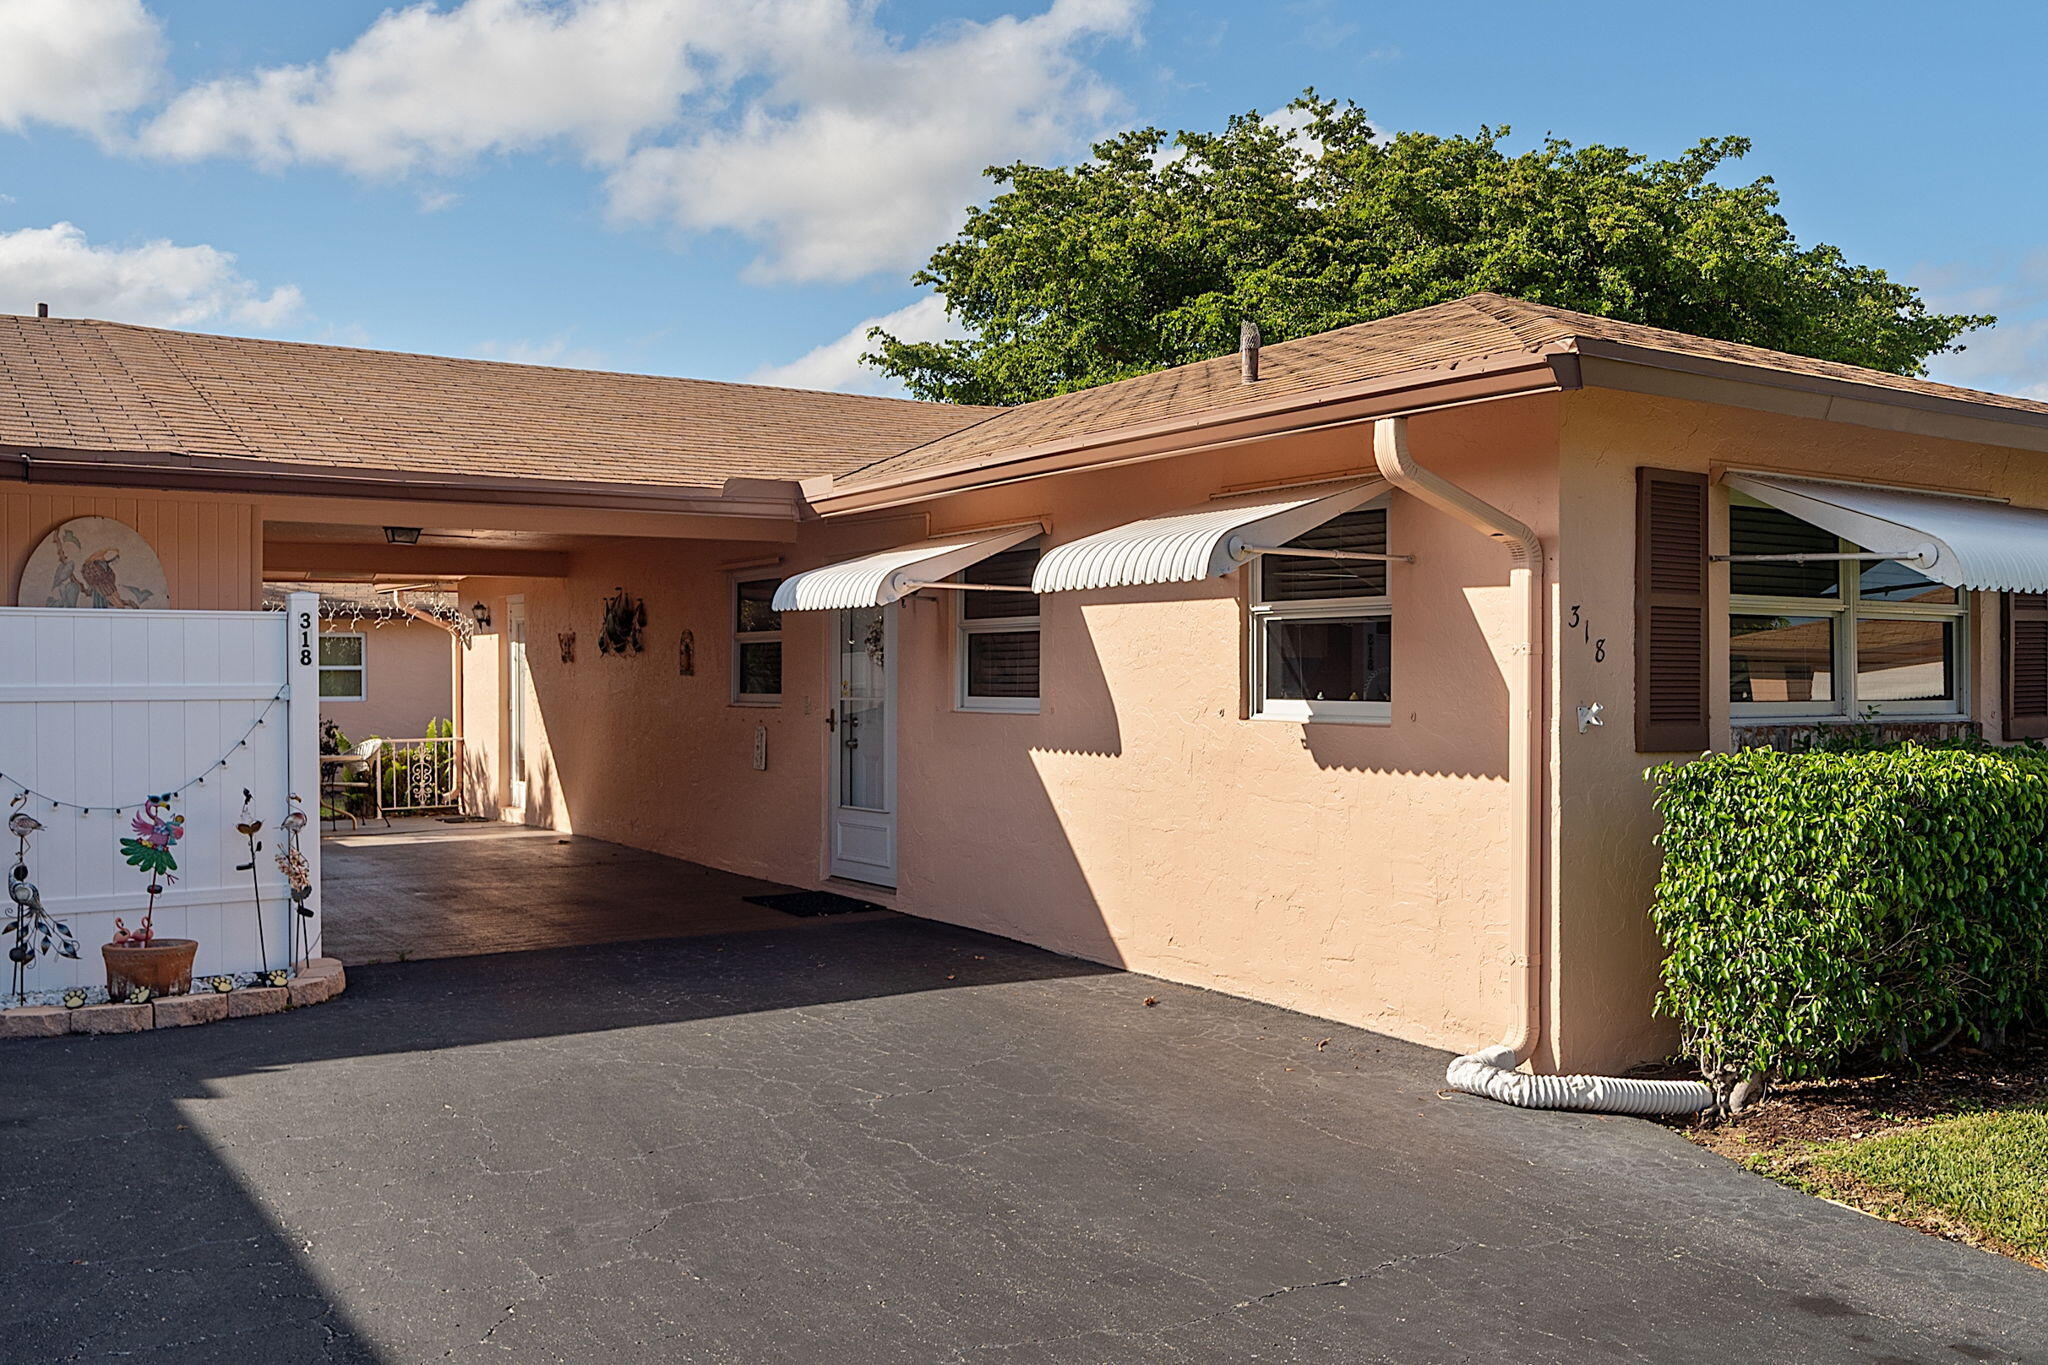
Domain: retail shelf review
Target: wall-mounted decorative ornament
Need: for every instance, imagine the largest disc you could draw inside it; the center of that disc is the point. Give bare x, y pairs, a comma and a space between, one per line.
94, 562
567, 640
624, 618
686, 655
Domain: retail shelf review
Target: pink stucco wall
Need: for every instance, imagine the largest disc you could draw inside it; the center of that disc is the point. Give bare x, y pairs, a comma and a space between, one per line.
1356, 872
1605, 864
409, 680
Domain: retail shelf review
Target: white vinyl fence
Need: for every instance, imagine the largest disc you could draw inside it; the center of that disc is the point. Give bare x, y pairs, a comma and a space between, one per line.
100, 710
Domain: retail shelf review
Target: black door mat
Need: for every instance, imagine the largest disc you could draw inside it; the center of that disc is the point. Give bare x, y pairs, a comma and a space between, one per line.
808, 903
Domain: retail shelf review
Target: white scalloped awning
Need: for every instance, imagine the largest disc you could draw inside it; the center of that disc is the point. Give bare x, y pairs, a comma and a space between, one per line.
1963, 542
1203, 542
878, 579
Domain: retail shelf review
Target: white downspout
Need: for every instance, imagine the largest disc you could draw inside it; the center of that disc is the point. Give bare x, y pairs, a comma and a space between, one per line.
1492, 1071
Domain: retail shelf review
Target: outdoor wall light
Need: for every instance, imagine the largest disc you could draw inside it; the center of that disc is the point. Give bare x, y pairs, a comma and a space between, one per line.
482, 614
402, 535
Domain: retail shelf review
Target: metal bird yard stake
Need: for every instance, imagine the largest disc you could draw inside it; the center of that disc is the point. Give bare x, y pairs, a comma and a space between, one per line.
156, 831
248, 828
34, 931
298, 874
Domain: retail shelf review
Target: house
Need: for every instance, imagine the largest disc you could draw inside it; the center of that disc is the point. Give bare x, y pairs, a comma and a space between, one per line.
389, 661
1332, 687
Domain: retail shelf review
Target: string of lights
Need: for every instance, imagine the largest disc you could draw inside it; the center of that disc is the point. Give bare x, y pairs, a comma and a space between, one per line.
123, 807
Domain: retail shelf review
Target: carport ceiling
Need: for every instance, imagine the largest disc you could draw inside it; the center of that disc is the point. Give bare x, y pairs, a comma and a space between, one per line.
329, 533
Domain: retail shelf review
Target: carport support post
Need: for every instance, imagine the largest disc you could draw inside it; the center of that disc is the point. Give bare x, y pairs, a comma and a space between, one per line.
302, 749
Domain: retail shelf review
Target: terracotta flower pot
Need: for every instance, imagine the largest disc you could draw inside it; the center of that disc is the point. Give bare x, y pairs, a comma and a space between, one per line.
164, 967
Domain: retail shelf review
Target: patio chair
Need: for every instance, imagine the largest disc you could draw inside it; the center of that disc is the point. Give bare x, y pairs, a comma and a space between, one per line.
343, 774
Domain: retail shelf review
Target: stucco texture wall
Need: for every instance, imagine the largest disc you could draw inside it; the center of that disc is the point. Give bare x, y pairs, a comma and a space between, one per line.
408, 680
211, 547
1604, 862
1356, 872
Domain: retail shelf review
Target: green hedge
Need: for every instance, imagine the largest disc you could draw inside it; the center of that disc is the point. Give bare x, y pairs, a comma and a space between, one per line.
1820, 906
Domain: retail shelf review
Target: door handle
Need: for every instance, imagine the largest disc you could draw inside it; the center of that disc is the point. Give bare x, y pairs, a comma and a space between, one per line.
832, 719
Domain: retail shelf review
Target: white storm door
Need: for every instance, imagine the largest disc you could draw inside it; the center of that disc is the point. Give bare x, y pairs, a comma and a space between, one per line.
861, 803
516, 687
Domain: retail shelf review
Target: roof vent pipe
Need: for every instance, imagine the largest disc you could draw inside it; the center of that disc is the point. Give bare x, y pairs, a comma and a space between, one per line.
42, 310
1248, 350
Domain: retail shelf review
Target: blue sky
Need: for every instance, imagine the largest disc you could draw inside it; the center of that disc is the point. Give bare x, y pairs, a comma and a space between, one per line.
721, 190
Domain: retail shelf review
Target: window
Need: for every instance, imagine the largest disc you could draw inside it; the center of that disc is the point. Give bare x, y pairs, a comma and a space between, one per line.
341, 667
1836, 638
756, 642
1322, 629
997, 650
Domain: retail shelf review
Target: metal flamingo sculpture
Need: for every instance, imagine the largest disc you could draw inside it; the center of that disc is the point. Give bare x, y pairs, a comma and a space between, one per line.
299, 874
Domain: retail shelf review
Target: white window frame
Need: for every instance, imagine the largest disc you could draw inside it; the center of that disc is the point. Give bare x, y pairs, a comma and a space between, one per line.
964, 627
361, 668
1263, 614
752, 637
1848, 609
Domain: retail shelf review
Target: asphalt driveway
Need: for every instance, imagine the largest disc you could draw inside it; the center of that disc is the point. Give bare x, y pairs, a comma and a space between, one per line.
889, 1141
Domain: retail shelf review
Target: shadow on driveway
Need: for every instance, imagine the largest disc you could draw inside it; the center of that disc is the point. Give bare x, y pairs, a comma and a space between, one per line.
894, 1141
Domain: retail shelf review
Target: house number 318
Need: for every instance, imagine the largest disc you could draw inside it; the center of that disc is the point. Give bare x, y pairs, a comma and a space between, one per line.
1585, 629
305, 639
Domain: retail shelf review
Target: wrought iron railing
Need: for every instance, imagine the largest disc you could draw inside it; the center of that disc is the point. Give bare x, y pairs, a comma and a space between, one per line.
409, 776
380, 778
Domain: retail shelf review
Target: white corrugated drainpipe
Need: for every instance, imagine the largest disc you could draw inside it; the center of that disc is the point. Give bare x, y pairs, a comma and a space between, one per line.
1492, 1071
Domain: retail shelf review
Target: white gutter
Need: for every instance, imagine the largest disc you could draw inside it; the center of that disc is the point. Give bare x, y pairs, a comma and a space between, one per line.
1492, 1071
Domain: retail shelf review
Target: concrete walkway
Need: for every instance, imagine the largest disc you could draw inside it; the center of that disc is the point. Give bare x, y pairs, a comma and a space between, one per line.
428, 888
887, 1142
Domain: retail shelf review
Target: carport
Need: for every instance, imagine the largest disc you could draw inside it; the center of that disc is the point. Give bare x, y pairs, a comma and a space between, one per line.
425, 888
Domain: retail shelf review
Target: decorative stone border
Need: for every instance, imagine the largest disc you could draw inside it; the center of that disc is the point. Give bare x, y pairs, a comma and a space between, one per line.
320, 981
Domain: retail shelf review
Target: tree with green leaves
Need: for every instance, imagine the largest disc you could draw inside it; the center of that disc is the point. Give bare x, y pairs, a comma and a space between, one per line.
1152, 252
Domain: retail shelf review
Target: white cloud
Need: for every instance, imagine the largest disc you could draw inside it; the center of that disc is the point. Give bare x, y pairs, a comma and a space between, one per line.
424, 86
76, 63
556, 350
2011, 357
433, 201
156, 283
836, 364
802, 125
861, 154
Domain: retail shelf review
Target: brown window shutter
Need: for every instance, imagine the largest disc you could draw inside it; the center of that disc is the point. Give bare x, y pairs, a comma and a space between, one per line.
2026, 665
1671, 611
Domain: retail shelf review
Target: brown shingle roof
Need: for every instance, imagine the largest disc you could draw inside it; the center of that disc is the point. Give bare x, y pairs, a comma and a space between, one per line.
97, 386
1456, 333
1539, 324
70, 384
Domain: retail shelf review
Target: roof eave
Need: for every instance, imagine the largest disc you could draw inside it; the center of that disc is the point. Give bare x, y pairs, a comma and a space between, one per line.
1832, 398
1507, 375
778, 499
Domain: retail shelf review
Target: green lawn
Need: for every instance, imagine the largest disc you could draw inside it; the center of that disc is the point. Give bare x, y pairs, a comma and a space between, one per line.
1986, 1173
